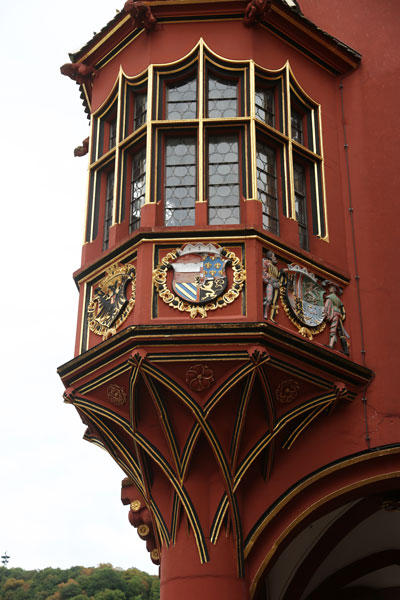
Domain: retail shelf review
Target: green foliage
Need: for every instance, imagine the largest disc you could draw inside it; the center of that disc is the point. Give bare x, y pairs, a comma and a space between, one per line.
78, 583
110, 595
69, 590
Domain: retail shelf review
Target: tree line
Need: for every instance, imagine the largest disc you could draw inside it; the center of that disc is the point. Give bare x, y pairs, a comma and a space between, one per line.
78, 583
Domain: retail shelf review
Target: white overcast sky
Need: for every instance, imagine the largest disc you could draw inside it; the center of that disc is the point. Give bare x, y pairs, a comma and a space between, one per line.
60, 496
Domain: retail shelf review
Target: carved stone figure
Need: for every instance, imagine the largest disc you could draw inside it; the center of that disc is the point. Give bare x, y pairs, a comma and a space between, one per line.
271, 280
256, 11
335, 314
141, 14
82, 150
79, 72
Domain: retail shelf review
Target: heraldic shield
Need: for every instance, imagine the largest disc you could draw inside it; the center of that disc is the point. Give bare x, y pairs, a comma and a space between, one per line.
199, 273
110, 306
303, 300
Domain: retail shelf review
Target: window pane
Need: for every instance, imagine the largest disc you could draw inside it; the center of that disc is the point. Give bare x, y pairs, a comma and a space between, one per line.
109, 208
180, 181
265, 106
297, 126
300, 203
139, 116
267, 187
112, 134
223, 180
222, 98
138, 189
182, 100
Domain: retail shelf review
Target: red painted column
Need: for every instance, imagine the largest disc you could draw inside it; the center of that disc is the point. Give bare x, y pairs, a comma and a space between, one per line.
183, 576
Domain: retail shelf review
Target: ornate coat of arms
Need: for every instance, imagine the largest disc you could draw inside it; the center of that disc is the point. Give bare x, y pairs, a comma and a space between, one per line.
109, 306
199, 278
303, 300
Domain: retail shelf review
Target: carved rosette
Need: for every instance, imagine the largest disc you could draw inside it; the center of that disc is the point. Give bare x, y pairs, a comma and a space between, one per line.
199, 377
116, 395
287, 391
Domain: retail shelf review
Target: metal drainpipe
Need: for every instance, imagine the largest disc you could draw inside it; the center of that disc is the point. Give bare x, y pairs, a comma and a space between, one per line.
357, 276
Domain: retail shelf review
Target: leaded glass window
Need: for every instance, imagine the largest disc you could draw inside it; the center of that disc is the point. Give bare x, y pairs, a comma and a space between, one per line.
180, 181
109, 208
244, 144
138, 188
140, 109
223, 180
267, 186
297, 126
265, 106
222, 98
299, 173
182, 100
112, 134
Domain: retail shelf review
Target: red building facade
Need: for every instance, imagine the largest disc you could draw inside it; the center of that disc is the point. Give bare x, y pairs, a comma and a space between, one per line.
235, 345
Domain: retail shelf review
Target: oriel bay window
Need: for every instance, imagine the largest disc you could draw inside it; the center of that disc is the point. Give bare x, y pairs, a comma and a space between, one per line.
217, 132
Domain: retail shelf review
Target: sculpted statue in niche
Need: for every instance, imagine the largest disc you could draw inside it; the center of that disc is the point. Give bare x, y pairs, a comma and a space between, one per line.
335, 314
271, 280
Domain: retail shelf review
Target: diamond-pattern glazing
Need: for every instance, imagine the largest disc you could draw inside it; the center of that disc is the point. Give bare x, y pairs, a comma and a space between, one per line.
182, 100
222, 98
180, 181
264, 106
138, 188
297, 126
140, 110
266, 186
223, 180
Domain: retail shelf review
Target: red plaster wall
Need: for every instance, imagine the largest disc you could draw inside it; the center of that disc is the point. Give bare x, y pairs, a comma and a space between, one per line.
371, 104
